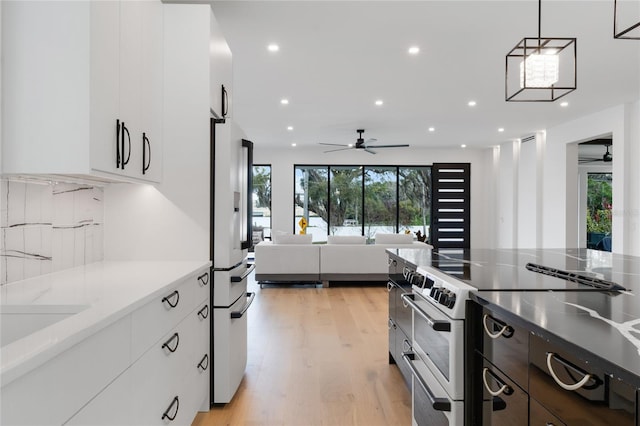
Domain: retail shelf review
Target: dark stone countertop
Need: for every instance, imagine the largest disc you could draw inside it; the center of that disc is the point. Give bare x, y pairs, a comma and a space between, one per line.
599, 324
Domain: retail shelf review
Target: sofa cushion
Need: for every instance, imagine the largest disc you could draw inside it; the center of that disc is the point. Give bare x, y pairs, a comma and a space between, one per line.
292, 238
394, 238
346, 239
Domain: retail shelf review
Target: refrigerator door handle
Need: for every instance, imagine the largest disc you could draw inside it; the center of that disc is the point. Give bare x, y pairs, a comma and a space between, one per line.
240, 313
245, 275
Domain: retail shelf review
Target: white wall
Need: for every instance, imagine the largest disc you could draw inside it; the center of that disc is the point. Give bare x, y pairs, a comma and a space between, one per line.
538, 190
282, 162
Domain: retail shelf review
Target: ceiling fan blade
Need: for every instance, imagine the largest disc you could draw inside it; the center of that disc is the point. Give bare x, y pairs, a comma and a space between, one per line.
370, 140
333, 144
388, 146
339, 149
370, 151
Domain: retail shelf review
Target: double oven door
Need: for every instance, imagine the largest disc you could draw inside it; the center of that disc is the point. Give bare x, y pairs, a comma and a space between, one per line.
438, 361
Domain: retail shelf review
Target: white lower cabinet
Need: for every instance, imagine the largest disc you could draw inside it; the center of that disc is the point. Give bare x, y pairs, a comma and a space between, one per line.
169, 383
62, 386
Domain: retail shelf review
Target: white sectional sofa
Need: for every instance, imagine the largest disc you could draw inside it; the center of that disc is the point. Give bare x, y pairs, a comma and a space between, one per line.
293, 258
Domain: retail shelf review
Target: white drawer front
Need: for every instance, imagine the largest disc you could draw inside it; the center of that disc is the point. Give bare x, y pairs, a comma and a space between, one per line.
151, 321
161, 375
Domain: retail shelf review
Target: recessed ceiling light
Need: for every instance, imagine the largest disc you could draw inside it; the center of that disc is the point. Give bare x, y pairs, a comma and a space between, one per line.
471, 103
293, 144
414, 50
379, 102
432, 129
463, 146
273, 47
564, 104
284, 101
290, 128
501, 129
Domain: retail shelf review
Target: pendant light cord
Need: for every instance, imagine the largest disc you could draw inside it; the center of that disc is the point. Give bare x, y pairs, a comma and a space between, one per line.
539, 18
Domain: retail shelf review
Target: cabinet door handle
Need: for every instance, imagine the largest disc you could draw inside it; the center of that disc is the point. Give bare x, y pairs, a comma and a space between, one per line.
204, 279
225, 102
169, 297
117, 144
504, 388
204, 312
166, 415
125, 130
146, 147
560, 383
505, 328
390, 323
389, 286
202, 364
167, 344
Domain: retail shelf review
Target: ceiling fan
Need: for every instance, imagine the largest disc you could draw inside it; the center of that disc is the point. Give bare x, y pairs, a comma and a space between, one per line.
362, 144
606, 157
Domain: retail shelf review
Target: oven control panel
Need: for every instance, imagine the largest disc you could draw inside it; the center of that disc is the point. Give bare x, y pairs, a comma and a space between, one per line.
447, 293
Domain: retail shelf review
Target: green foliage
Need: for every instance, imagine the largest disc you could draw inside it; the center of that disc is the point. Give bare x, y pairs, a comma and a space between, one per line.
261, 182
342, 186
599, 202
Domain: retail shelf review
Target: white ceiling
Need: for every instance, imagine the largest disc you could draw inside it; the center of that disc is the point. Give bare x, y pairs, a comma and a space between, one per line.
337, 57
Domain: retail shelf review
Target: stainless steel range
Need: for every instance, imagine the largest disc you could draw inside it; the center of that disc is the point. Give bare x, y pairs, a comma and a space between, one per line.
437, 355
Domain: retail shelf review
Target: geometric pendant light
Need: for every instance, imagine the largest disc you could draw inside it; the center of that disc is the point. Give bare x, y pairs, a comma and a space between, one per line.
540, 69
626, 19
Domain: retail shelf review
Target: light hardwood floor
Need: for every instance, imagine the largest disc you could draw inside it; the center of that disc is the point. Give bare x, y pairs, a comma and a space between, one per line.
317, 356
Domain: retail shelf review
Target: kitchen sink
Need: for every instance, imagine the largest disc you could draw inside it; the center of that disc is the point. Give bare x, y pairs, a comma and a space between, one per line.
18, 321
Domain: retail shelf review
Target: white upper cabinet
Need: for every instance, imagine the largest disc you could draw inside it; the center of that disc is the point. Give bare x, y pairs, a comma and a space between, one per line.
82, 87
221, 72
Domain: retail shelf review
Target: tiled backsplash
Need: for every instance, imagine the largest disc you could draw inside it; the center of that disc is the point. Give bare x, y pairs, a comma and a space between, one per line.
48, 227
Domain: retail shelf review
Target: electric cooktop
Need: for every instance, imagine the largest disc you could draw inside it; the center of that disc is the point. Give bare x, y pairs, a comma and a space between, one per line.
537, 269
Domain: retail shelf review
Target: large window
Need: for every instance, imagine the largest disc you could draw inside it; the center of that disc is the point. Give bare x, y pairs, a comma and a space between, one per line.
362, 200
261, 219
311, 200
380, 200
414, 198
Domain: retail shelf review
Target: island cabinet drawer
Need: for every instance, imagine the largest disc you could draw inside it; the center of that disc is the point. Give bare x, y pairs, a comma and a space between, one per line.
505, 344
578, 391
53, 392
155, 318
503, 401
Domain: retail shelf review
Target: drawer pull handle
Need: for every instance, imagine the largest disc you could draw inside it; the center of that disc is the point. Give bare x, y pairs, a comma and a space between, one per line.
204, 279
166, 415
167, 344
202, 364
503, 330
390, 323
504, 388
406, 346
389, 286
563, 385
204, 312
169, 297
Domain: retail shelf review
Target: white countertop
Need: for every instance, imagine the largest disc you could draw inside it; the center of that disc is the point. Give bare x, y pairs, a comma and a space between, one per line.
101, 293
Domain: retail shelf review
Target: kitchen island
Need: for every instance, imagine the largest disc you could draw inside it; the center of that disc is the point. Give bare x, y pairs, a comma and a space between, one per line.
79, 342
538, 349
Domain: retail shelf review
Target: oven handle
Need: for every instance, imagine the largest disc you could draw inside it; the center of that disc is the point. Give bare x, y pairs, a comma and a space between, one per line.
249, 270
408, 299
438, 404
240, 313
